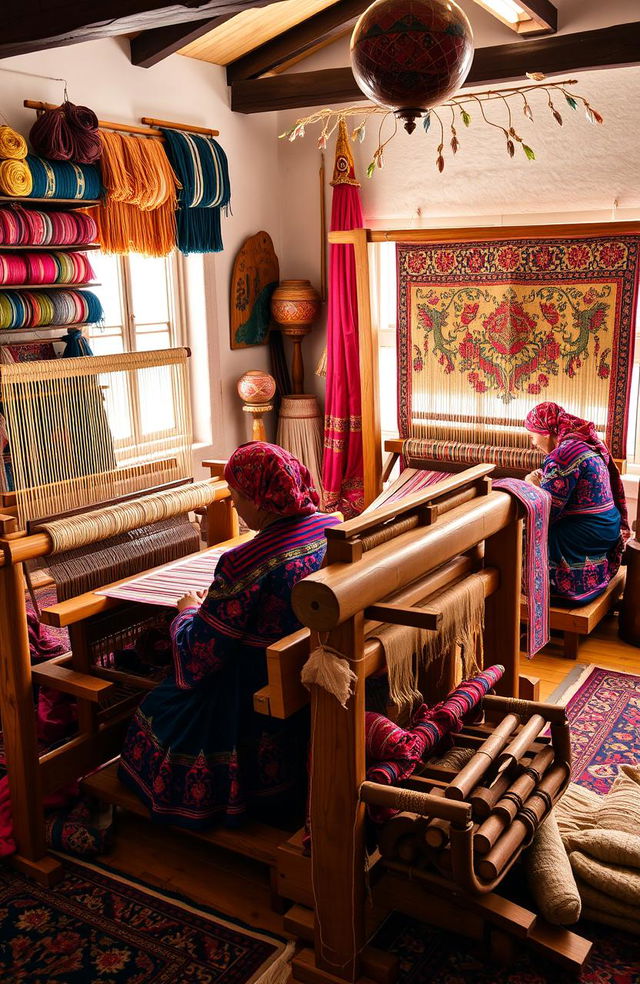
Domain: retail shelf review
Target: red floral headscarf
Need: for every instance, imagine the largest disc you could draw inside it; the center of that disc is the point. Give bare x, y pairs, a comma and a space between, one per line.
272, 479
550, 418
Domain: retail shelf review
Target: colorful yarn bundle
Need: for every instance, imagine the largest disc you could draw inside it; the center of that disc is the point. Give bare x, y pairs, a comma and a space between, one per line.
15, 178
76, 344
38, 309
62, 179
45, 268
13, 146
67, 133
138, 214
26, 227
201, 165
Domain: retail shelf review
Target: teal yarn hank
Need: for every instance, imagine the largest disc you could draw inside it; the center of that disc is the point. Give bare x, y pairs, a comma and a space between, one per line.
202, 168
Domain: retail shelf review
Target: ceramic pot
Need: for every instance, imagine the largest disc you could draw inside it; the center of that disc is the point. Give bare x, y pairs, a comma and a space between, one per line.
256, 387
295, 305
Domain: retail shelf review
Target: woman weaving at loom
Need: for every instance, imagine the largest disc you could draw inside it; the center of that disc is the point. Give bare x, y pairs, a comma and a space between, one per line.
588, 524
195, 749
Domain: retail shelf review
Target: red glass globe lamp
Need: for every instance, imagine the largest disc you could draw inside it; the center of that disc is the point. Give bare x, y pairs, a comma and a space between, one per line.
411, 55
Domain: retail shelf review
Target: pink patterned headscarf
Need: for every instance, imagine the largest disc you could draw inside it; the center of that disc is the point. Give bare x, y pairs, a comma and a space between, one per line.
550, 418
272, 479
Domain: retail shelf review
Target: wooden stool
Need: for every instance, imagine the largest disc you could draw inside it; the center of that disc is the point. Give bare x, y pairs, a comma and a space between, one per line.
582, 620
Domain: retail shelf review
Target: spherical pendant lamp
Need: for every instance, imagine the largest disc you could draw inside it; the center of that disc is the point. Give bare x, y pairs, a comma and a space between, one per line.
411, 55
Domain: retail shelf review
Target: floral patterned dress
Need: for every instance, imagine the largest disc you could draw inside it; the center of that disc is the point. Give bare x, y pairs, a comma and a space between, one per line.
585, 543
196, 750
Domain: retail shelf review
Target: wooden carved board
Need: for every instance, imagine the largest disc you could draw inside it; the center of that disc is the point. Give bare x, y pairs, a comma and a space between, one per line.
254, 278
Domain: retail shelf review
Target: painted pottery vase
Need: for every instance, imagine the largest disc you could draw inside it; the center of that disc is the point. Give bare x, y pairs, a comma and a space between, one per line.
411, 55
256, 387
295, 305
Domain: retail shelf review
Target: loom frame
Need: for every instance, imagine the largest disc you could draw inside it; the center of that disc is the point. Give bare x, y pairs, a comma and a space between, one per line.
367, 331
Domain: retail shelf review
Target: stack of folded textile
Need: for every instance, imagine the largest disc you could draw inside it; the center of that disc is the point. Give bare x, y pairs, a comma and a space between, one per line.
601, 837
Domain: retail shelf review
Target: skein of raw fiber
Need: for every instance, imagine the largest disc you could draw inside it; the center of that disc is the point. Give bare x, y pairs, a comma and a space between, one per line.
202, 167
13, 146
15, 178
67, 133
138, 214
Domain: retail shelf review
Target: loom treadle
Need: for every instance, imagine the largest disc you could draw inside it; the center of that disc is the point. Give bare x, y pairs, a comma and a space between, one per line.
305, 970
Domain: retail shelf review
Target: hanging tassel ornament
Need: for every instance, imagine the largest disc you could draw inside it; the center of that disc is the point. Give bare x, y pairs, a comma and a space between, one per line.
328, 668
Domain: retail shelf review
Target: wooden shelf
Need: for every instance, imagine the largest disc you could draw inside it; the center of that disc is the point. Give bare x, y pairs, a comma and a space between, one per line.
49, 249
51, 202
74, 286
15, 331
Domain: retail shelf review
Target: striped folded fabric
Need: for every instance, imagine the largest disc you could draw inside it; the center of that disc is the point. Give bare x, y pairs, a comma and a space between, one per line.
30, 227
38, 309
45, 268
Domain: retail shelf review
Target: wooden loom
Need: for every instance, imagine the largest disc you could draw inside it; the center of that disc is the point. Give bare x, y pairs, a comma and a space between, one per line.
67, 459
374, 474
379, 567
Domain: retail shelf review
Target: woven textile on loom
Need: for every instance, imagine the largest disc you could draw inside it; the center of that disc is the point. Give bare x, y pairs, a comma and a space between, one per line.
535, 569
30, 227
487, 329
410, 653
138, 213
394, 754
202, 168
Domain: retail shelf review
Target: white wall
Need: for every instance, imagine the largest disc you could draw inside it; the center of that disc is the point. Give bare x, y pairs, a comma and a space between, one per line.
100, 75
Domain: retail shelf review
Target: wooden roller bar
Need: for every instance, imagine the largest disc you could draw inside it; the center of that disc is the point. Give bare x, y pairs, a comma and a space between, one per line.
329, 597
473, 771
424, 804
516, 749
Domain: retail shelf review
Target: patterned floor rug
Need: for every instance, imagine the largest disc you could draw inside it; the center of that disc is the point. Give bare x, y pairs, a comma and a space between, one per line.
431, 955
96, 926
603, 707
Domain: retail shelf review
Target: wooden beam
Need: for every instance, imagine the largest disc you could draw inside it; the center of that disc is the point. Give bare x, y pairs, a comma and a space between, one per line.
608, 47
290, 45
151, 47
62, 22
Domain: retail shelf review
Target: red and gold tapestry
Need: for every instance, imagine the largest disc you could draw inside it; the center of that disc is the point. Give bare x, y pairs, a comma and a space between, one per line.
488, 329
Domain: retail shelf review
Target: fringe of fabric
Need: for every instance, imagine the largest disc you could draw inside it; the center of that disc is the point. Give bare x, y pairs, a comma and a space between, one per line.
278, 972
409, 651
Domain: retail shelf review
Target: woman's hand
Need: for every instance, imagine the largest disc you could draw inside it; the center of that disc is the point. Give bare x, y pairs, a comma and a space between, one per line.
193, 599
534, 477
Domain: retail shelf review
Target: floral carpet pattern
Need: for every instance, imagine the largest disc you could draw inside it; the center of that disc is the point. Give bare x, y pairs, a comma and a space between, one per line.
431, 955
98, 927
604, 711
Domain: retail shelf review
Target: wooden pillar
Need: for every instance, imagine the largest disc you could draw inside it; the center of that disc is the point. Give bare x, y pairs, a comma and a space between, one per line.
337, 819
19, 728
502, 610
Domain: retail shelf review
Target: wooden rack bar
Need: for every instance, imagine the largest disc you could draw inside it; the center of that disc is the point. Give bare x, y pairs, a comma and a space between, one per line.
185, 127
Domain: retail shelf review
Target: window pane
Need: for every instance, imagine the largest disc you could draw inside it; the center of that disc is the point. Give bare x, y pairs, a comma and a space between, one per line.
106, 344
110, 290
118, 404
154, 337
149, 288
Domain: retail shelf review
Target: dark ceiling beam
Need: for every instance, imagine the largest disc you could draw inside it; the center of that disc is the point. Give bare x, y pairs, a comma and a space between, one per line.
151, 47
609, 47
543, 12
55, 23
312, 32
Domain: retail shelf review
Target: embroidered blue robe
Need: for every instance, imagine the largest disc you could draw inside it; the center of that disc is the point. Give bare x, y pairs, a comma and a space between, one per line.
585, 544
196, 750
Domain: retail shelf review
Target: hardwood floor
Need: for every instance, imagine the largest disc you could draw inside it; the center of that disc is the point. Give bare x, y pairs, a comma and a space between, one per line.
239, 888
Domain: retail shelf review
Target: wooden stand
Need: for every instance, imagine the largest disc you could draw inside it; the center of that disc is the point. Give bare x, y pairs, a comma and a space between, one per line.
257, 411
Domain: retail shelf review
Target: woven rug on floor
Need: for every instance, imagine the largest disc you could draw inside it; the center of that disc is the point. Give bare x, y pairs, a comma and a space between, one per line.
97, 926
431, 955
603, 707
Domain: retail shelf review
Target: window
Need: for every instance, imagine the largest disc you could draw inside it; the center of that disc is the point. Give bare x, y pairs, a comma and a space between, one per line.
141, 300
633, 434
141, 297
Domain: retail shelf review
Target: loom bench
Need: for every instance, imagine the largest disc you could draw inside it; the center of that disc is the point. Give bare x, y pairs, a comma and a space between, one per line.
582, 620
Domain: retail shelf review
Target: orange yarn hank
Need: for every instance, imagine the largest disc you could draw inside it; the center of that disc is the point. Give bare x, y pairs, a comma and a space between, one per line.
138, 214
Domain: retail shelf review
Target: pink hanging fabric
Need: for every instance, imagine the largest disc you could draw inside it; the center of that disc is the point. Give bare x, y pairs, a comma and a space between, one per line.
342, 468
